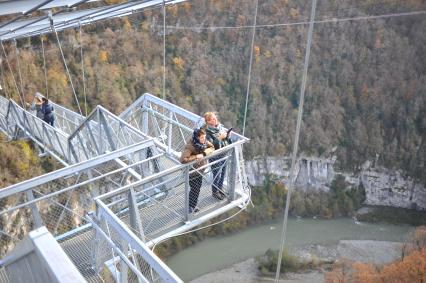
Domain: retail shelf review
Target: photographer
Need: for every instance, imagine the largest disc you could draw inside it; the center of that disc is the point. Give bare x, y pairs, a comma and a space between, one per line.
217, 135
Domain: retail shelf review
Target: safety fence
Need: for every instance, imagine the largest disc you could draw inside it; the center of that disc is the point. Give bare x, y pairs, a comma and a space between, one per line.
60, 200
101, 132
168, 123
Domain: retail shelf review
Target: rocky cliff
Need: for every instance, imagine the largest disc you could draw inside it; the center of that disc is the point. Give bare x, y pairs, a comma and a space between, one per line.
390, 188
311, 172
382, 186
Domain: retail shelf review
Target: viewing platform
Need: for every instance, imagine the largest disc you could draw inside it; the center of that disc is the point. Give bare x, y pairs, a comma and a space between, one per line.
122, 189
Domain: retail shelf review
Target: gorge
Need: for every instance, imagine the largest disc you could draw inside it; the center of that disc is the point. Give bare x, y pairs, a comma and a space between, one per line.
382, 186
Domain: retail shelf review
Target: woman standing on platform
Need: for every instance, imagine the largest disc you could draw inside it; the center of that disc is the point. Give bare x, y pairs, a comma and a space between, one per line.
196, 149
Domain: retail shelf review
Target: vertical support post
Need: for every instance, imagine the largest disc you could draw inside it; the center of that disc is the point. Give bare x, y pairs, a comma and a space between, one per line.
107, 130
99, 141
34, 210
44, 134
123, 266
95, 258
158, 167
232, 174
24, 125
186, 205
308, 166
145, 117
136, 263
94, 189
72, 153
169, 138
135, 219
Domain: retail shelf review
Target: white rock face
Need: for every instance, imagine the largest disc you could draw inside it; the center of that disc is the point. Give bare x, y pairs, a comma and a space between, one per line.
314, 172
391, 189
257, 169
382, 186
311, 172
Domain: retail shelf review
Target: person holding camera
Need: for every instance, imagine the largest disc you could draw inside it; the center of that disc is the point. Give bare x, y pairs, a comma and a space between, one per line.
36, 106
217, 135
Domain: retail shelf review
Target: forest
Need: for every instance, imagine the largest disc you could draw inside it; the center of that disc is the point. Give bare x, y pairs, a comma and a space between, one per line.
365, 96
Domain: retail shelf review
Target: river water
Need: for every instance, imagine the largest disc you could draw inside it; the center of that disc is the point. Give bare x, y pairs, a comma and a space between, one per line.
221, 252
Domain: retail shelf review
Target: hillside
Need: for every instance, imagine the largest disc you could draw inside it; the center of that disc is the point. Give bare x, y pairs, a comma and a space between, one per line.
365, 96
19, 162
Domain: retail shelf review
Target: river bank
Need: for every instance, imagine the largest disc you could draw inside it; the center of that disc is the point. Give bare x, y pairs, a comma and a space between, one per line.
246, 272
367, 251
309, 235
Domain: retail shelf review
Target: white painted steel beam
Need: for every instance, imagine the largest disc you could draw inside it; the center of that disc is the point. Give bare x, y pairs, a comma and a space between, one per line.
152, 259
64, 20
21, 6
23, 186
127, 147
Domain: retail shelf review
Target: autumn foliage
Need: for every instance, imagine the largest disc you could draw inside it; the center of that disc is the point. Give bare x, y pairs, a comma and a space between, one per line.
364, 94
410, 268
17, 162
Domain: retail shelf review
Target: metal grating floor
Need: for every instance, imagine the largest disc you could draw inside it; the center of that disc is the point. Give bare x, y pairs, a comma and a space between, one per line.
156, 221
3, 276
160, 218
79, 250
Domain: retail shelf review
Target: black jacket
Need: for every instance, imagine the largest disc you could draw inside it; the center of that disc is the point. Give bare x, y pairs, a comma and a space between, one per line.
213, 136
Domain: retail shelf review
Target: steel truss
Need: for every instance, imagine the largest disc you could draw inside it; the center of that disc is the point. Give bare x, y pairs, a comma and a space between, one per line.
121, 190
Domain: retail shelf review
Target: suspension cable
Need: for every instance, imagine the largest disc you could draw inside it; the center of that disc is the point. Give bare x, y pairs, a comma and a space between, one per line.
250, 65
82, 71
13, 76
44, 66
296, 139
66, 68
164, 49
18, 62
324, 21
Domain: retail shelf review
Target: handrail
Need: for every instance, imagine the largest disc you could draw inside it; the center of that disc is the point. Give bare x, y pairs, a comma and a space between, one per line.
126, 234
187, 114
60, 173
167, 171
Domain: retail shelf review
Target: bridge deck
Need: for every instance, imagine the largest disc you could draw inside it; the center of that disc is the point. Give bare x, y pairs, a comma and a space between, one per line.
125, 170
79, 247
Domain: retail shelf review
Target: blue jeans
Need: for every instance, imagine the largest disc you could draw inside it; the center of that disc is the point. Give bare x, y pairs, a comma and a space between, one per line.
219, 171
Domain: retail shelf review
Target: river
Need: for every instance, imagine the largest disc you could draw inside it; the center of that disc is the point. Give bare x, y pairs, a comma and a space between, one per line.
220, 252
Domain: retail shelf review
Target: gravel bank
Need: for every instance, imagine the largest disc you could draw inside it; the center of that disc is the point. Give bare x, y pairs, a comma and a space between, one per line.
376, 252
246, 272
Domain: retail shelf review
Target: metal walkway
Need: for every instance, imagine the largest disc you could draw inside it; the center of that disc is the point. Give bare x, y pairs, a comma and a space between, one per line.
122, 188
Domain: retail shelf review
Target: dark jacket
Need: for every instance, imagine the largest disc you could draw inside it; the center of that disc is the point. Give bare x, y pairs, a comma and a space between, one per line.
189, 154
47, 110
213, 136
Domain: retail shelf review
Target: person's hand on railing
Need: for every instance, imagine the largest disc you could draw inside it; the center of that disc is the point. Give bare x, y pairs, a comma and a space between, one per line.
199, 158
